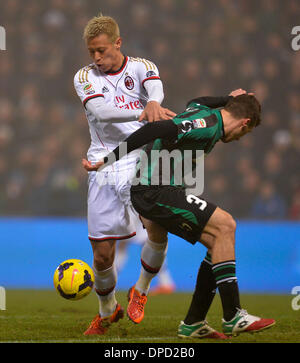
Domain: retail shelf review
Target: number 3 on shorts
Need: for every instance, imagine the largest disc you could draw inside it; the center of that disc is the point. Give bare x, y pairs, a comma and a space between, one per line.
193, 199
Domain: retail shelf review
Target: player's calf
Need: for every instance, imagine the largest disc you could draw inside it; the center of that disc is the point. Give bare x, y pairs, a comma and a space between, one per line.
219, 236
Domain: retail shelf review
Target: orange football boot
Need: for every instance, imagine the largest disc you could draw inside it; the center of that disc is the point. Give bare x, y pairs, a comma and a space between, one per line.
100, 325
135, 309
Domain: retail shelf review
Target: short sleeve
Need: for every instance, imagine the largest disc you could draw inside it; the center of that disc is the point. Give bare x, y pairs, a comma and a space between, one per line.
87, 86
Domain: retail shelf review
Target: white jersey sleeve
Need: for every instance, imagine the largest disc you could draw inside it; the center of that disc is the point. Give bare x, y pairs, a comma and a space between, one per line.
148, 75
87, 86
106, 113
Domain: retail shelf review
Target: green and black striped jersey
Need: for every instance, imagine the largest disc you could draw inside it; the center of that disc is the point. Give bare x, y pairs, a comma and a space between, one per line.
199, 127
165, 162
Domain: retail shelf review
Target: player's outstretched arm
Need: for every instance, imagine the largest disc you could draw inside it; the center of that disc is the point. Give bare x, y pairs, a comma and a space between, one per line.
165, 129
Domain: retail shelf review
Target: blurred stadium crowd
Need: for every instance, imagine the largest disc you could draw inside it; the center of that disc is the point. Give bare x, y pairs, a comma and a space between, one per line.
201, 48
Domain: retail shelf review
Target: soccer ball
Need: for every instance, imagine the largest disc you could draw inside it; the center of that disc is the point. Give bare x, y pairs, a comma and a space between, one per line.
73, 279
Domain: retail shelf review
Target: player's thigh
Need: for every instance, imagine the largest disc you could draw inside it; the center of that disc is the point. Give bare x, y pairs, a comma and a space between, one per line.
108, 217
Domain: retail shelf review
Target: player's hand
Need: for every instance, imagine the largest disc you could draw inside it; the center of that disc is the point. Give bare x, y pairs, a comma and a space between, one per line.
154, 112
88, 166
238, 92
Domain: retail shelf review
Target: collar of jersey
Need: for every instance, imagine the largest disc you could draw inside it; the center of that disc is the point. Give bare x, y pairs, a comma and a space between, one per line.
120, 69
222, 121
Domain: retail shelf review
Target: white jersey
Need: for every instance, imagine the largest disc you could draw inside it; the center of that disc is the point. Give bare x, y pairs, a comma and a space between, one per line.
122, 90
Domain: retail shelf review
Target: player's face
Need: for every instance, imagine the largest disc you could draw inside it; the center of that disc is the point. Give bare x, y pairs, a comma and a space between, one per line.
238, 131
106, 54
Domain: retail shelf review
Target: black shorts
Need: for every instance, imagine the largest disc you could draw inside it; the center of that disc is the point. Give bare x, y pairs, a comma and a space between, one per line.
170, 207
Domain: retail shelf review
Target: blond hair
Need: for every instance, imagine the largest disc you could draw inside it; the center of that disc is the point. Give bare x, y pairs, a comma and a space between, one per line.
101, 25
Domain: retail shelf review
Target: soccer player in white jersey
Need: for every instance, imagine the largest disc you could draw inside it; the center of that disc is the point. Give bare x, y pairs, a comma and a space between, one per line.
118, 92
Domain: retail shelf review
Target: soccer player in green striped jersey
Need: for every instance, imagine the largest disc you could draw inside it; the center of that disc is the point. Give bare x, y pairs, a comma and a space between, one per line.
167, 207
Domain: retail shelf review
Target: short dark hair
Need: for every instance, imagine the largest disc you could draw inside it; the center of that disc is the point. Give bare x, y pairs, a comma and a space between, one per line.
245, 106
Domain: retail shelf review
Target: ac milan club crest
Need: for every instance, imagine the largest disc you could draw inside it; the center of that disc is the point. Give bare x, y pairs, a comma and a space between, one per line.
129, 82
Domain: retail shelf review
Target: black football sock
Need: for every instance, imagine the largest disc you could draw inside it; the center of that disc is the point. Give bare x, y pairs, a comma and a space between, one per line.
204, 293
225, 277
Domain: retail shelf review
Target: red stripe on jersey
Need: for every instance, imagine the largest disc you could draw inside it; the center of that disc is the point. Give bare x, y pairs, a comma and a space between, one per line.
147, 79
102, 143
90, 97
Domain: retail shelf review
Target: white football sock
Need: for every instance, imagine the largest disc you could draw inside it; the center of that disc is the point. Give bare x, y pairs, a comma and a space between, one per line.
105, 282
152, 257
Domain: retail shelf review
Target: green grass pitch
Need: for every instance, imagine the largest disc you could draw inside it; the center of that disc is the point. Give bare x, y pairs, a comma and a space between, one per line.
43, 316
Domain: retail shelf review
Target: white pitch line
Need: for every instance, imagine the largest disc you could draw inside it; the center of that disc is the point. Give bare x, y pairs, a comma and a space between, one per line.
110, 340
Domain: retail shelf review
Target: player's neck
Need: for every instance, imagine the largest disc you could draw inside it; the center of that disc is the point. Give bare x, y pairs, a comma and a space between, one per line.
229, 123
119, 64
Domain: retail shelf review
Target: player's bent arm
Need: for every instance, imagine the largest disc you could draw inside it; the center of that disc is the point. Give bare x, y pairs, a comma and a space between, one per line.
211, 102
105, 113
216, 102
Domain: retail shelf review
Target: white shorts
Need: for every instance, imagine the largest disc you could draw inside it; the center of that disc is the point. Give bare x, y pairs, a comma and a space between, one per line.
110, 213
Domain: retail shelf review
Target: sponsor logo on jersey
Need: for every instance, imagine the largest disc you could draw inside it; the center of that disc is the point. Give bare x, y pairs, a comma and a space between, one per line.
88, 89
129, 82
186, 126
105, 89
199, 123
150, 74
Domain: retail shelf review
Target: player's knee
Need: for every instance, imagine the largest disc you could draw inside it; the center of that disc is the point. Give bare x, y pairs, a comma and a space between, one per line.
103, 260
156, 236
227, 225
155, 232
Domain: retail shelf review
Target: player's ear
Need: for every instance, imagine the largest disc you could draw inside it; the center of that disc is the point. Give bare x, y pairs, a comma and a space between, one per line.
118, 43
246, 122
